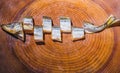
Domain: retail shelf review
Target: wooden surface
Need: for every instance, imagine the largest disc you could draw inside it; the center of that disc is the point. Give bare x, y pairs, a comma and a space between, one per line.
99, 52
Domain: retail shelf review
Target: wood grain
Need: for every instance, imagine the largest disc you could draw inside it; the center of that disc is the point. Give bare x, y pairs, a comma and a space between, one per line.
96, 53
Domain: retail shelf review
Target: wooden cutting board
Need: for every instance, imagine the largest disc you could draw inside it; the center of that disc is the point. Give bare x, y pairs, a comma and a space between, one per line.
98, 52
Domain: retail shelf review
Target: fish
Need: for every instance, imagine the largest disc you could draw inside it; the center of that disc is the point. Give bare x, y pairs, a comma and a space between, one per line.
47, 24
38, 33
65, 24
28, 24
56, 34
18, 29
15, 29
78, 33
91, 28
